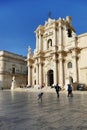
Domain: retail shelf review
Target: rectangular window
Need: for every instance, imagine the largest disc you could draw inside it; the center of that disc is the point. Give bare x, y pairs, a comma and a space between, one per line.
13, 70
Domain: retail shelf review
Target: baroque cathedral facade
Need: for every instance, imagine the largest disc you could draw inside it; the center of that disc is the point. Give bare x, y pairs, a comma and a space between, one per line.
60, 55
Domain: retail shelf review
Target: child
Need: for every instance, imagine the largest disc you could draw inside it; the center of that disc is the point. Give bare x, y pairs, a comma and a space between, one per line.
40, 93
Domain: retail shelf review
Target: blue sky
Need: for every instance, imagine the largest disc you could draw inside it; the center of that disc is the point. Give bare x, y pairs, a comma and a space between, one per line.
20, 18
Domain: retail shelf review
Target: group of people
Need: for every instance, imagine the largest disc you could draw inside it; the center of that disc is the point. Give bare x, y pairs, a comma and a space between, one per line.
57, 89
69, 89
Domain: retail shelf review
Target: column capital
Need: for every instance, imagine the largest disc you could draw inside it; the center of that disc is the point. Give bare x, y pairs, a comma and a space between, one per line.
29, 65
60, 23
40, 63
74, 56
60, 56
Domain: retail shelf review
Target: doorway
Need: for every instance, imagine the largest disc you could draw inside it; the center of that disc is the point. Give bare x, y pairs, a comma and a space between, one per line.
50, 77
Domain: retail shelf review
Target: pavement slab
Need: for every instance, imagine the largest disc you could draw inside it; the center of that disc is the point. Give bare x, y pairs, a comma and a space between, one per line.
20, 110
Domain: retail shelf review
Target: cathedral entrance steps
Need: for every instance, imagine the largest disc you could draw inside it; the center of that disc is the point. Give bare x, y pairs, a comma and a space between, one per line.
35, 89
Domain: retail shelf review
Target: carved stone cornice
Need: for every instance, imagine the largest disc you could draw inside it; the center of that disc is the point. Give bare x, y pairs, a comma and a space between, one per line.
49, 58
30, 61
29, 65
47, 34
62, 52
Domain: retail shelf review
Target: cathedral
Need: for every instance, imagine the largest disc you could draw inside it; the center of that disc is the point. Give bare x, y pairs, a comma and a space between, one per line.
60, 55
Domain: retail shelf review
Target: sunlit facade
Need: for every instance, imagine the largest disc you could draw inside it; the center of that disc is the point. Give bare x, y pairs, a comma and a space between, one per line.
12, 65
60, 55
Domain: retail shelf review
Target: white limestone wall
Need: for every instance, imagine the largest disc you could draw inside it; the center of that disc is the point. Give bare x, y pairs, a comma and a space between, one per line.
82, 40
83, 66
82, 62
7, 62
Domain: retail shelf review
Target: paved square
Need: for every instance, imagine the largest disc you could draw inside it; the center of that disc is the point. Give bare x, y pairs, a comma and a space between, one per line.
22, 111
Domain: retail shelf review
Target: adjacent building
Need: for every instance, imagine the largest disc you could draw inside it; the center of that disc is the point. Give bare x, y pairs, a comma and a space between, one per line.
12, 65
60, 55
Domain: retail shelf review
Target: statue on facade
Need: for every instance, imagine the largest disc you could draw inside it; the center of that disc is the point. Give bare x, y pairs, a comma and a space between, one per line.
29, 51
13, 84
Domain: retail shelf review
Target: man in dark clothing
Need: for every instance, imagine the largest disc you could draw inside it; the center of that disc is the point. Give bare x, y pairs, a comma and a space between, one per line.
69, 90
57, 88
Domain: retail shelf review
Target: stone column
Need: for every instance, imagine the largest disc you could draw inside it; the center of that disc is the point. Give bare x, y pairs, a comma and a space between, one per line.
40, 74
37, 74
75, 69
55, 36
2, 67
37, 42
29, 75
61, 78
60, 36
46, 79
55, 73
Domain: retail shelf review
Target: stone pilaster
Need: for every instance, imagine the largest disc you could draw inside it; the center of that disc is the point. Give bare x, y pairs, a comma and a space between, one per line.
61, 76
37, 74
54, 36
29, 75
40, 40
37, 42
60, 36
46, 79
40, 74
55, 73
75, 69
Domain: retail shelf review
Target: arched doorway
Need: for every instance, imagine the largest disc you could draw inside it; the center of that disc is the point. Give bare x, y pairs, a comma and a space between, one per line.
50, 77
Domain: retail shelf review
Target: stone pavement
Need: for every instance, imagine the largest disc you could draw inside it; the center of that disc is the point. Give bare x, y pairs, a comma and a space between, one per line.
20, 110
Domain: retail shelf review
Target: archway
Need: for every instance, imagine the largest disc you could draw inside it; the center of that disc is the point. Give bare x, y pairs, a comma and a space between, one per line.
50, 77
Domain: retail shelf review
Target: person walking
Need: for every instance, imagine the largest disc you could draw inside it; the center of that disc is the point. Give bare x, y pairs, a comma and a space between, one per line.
40, 93
69, 90
57, 88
